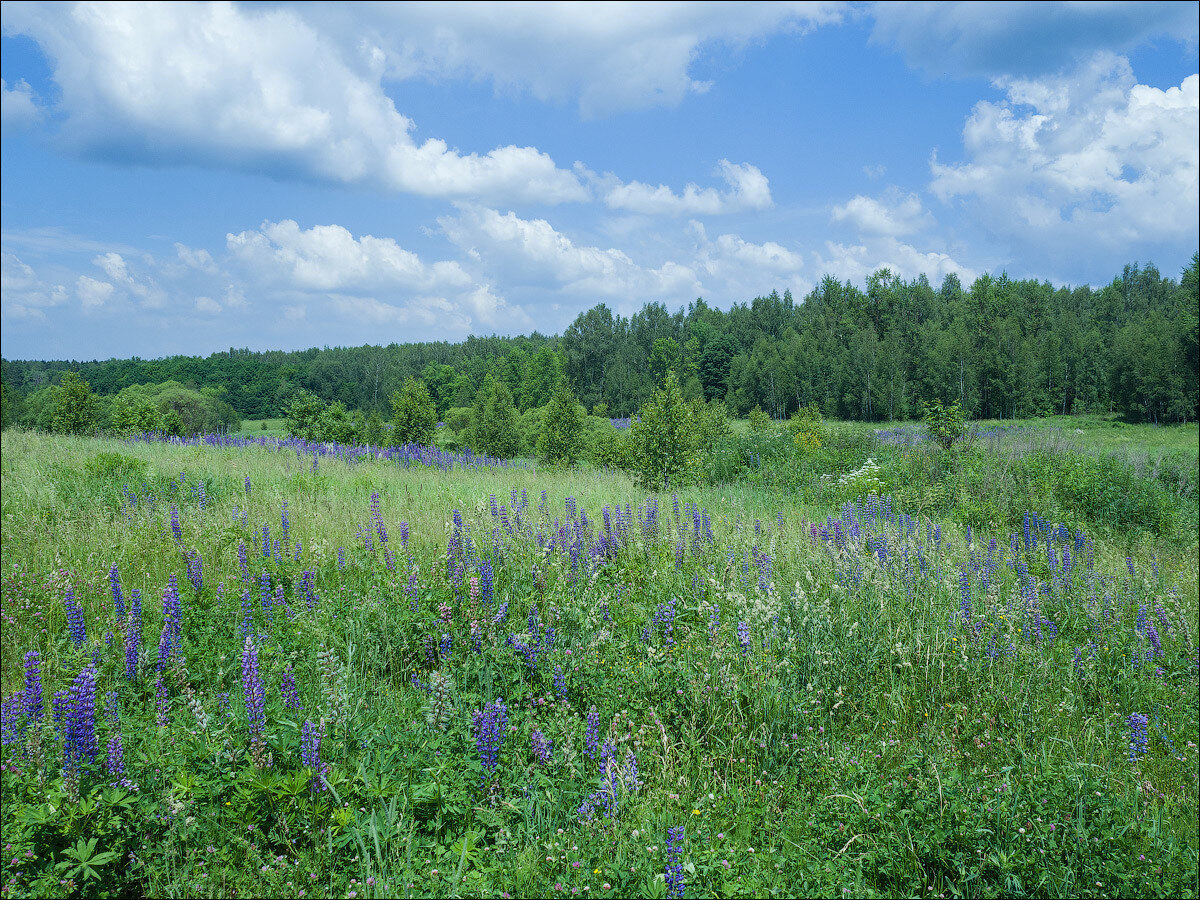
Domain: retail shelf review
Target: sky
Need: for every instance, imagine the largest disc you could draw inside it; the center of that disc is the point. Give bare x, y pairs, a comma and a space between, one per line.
186, 178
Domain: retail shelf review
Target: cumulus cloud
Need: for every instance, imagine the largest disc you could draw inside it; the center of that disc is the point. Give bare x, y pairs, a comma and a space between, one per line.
92, 293
1088, 160
1023, 39
145, 289
896, 214
854, 262
354, 271
24, 295
207, 305
748, 190
330, 258
196, 258
605, 57
259, 89
532, 252
17, 109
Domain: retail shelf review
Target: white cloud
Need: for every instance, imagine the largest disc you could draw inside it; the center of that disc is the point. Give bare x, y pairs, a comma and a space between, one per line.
1088, 162
330, 258
17, 109
896, 214
854, 262
196, 259
92, 293
748, 190
117, 270
207, 305
532, 252
606, 57
1028, 38
258, 89
23, 295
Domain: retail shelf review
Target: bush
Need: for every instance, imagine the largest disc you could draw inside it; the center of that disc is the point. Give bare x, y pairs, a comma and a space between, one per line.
414, 417
807, 428
946, 424
664, 439
494, 430
759, 420
561, 437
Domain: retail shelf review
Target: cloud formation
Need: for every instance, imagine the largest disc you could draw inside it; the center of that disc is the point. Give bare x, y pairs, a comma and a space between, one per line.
1023, 39
261, 90
1088, 159
748, 190
606, 58
17, 109
896, 214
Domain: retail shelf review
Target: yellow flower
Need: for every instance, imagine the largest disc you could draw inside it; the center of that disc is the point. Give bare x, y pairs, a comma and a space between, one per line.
695, 812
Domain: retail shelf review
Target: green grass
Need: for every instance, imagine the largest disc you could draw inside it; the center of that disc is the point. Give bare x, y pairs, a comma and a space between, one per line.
867, 740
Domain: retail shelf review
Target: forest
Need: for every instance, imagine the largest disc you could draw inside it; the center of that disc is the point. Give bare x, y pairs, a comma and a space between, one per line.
1001, 348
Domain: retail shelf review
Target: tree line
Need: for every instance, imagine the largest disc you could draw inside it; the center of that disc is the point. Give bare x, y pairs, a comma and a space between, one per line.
1000, 348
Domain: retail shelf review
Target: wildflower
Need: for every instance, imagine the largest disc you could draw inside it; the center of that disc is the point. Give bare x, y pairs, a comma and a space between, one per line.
75, 622
1138, 738
32, 701
674, 867
310, 752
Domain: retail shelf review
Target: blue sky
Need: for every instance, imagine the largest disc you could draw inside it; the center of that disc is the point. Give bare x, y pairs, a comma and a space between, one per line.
185, 178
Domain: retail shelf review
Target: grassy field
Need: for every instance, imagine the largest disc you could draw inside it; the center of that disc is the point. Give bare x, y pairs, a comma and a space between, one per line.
362, 679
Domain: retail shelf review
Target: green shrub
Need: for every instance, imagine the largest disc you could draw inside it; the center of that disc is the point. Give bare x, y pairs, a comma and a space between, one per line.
414, 417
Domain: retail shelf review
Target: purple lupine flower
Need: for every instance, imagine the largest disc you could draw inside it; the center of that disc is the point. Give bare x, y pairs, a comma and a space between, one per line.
195, 570
490, 723
162, 703
310, 752
412, 591
247, 485
714, 623
266, 541
80, 723
542, 748
75, 622
1155, 641
341, 558
32, 698
1138, 738
291, 699
299, 551
243, 562
285, 524
404, 534
444, 647
133, 634
264, 595
114, 764
253, 691
176, 529
114, 578
486, 582
674, 867
12, 719
377, 518
560, 684
743, 631
170, 641
501, 613
592, 735
632, 783
306, 589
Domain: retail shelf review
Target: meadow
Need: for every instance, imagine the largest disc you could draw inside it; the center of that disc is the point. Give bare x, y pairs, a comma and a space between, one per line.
299, 670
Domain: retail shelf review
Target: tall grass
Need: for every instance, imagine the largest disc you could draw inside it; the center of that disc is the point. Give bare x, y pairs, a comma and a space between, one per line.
830, 694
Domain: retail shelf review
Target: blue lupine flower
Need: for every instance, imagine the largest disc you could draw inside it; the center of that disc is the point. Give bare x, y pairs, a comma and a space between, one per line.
291, 699
253, 691
114, 579
592, 735
310, 752
31, 701
490, 723
133, 634
1138, 739
542, 748
75, 622
674, 867
743, 631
